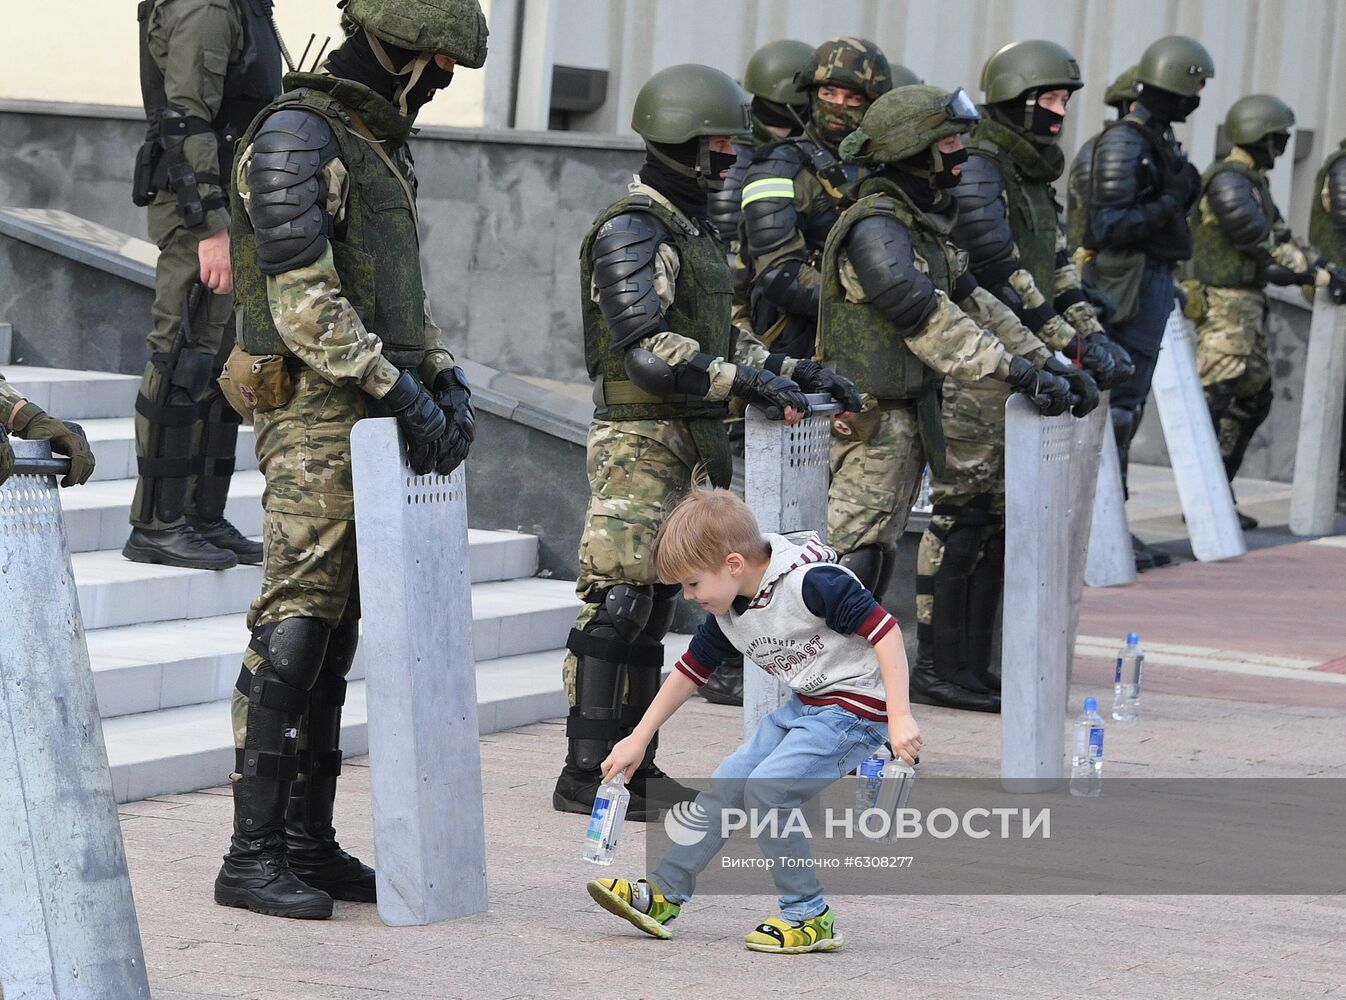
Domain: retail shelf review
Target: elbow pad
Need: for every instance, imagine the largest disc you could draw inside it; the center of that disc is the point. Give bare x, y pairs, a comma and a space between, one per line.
286, 193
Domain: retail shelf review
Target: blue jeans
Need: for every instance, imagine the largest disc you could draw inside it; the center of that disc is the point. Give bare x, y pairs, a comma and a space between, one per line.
1141, 335
794, 750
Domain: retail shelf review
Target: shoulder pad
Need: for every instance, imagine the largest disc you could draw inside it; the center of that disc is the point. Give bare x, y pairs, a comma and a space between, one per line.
622, 255
1336, 192
982, 227
769, 216
288, 151
1231, 196
880, 250
782, 158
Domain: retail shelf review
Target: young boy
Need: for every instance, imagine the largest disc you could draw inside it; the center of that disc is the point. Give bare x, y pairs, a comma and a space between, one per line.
808, 621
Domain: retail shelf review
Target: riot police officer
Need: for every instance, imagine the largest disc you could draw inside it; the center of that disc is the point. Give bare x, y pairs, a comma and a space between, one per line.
1121, 97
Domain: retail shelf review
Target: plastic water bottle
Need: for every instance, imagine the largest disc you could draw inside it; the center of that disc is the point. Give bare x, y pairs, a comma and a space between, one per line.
1130, 671
868, 779
894, 790
1086, 759
605, 822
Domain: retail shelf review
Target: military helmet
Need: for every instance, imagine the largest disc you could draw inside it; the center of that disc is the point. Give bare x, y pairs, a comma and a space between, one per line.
455, 28
1122, 91
903, 77
1257, 115
771, 71
904, 122
1175, 63
687, 101
847, 61
1033, 65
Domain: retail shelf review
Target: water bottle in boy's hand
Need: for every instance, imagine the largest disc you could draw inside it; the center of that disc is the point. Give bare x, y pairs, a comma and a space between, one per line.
1130, 671
868, 777
894, 790
1086, 759
605, 822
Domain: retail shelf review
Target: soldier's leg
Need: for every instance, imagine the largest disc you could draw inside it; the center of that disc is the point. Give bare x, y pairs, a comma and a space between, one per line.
633, 480
312, 848
303, 449
877, 460
176, 378
955, 592
213, 453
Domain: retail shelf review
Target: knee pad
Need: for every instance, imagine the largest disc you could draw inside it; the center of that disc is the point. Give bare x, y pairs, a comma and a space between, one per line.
295, 648
626, 609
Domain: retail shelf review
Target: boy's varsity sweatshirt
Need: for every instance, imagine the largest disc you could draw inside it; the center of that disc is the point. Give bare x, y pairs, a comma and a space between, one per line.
812, 625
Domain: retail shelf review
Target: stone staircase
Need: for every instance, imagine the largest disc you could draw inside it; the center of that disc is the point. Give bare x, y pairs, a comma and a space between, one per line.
166, 644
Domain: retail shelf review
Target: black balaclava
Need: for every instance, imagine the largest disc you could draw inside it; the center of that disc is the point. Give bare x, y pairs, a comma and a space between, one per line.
1265, 150
776, 115
683, 190
1167, 106
833, 122
1024, 114
928, 176
355, 59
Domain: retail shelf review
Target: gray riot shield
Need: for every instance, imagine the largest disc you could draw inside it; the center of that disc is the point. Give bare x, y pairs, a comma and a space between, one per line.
1193, 451
1313, 499
785, 484
67, 920
1084, 465
1110, 561
1034, 644
420, 683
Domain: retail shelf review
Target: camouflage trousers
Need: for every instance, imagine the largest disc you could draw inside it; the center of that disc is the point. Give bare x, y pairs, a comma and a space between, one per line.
175, 271
303, 450
638, 470
1234, 363
877, 461
973, 417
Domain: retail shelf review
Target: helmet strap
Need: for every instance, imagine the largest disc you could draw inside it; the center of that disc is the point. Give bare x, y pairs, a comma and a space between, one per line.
415, 66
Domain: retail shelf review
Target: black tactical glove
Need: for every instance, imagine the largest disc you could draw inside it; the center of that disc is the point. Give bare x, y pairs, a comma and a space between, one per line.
1083, 390
1220, 399
770, 392
1336, 283
6, 457
1049, 393
813, 377
455, 399
1107, 362
1184, 184
421, 420
66, 439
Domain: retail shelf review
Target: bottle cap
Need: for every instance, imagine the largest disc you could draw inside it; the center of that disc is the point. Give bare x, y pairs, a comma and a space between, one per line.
1133, 638
1091, 704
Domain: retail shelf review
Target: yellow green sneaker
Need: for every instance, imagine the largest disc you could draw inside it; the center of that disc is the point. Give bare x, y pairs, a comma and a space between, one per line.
781, 937
639, 902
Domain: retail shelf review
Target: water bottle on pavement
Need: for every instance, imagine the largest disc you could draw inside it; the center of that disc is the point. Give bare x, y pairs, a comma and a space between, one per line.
1130, 671
605, 822
1086, 759
868, 777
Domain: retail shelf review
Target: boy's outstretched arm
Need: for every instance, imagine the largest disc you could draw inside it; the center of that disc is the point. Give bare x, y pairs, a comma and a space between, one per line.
629, 752
903, 733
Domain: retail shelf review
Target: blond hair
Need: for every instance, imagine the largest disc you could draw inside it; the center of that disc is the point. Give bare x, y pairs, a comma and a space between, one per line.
700, 532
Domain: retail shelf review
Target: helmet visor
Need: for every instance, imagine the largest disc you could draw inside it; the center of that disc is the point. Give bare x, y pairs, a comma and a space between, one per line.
961, 109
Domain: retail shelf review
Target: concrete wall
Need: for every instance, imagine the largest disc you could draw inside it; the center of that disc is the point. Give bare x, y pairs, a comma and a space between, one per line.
502, 217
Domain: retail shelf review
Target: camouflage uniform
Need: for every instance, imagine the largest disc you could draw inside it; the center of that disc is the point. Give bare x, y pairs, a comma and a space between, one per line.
1232, 354
207, 68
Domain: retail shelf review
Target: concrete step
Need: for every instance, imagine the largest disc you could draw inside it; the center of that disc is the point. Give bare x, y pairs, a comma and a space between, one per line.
76, 395
182, 749
114, 446
113, 591
96, 513
161, 665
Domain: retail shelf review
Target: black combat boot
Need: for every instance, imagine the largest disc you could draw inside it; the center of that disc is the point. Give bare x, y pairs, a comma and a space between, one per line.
725, 686
223, 535
181, 545
256, 874
315, 855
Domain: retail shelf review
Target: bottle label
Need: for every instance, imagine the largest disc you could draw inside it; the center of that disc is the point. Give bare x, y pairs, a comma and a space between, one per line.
1095, 742
1119, 671
598, 819
872, 767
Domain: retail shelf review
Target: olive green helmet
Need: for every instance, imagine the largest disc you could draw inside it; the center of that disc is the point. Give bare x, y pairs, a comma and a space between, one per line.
847, 61
455, 28
1175, 63
771, 72
905, 121
1033, 65
1255, 116
903, 77
688, 101
1122, 91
